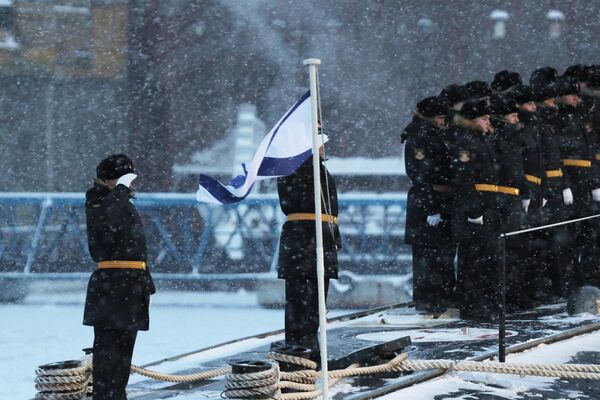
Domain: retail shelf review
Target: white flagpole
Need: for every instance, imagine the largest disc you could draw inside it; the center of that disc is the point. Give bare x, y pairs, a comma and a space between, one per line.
312, 69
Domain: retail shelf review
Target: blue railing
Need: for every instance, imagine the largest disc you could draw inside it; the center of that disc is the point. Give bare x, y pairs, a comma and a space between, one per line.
42, 235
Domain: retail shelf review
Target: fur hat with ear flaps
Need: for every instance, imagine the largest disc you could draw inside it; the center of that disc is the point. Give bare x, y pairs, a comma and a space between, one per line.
522, 94
454, 94
543, 76
114, 167
432, 106
503, 105
478, 89
474, 109
504, 80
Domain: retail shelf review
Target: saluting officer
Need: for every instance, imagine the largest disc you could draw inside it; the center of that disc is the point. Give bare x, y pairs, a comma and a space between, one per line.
428, 230
476, 218
118, 293
297, 250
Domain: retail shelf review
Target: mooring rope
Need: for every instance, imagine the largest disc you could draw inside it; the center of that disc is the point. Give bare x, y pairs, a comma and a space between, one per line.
72, 383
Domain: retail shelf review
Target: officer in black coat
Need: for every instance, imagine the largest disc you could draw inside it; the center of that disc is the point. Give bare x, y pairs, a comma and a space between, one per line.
297, 250
118, 293
508, 143
427, 160
534, 170
557, 196
476, 217
578, 149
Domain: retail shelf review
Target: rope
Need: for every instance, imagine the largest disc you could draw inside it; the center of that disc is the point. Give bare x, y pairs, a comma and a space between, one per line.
72, 383
252, 384
53, 383
200, 376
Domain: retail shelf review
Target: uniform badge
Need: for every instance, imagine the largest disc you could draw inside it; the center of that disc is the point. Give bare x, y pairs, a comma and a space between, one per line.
419, 154
464, 156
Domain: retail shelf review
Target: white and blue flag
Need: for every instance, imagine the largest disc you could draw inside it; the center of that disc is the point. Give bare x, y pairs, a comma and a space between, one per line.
280, 153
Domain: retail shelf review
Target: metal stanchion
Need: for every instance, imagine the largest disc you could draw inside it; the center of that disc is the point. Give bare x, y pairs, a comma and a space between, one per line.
502, 309
502, 277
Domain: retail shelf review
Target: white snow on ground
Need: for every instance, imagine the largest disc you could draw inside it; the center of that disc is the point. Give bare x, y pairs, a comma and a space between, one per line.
47, 328
510, 385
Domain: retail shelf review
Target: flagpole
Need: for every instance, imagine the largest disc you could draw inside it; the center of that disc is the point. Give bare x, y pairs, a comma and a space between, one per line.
312, 69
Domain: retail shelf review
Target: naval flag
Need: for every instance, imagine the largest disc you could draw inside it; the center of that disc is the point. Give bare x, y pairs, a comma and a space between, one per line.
280, 153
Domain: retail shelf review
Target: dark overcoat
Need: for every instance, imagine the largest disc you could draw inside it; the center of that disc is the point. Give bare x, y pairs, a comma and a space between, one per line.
297, 247
474, 161
577, 143
427, 161
116, 298
508, 144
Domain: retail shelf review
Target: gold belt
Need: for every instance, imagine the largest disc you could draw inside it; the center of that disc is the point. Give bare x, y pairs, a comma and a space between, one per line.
577, 163
554, 173
441, 188
533, 179
312, 217
122, 264
485, 187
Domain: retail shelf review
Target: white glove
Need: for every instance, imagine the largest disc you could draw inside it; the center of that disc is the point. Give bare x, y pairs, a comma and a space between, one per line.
126, 179
544, 202
525, 203
434, 219
596, 194
478, 221
567, 196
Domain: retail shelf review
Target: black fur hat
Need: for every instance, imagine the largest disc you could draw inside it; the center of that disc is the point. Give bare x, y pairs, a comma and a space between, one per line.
503, 105
478, 89
543, 76
522, 94
432, 106
504, 80
577, 71
114, 167
566, 85
593, 76
544, 92
475, 108
454, 94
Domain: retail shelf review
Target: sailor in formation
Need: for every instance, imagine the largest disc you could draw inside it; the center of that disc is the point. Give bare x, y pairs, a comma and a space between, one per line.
486, 159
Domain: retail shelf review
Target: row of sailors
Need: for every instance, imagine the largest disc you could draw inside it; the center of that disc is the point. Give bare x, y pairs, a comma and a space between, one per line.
490, 159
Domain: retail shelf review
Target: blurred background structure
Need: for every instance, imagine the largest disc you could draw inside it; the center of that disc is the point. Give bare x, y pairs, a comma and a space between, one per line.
165, 80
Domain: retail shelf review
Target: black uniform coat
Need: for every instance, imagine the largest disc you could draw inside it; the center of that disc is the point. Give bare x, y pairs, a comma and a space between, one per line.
552, 186
297, 247
508, 143
473, 162
577, 143
116, 298
427, 160
533, 164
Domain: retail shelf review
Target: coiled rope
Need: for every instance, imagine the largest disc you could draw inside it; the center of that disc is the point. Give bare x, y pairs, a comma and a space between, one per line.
67, 380
252, 385
72, 383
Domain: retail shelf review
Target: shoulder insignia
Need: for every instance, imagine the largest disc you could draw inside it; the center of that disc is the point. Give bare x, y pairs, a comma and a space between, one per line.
419, 154
464, 156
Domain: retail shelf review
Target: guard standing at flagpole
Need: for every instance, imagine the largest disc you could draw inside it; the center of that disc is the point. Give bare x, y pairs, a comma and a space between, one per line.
118, 293
297, 250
